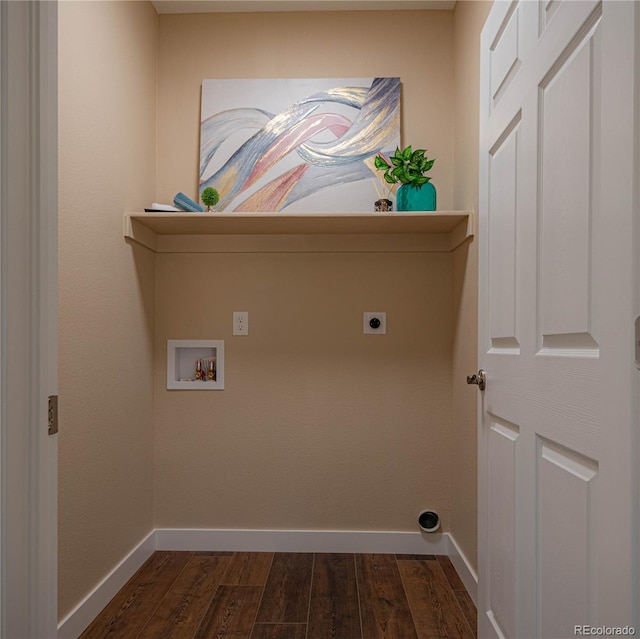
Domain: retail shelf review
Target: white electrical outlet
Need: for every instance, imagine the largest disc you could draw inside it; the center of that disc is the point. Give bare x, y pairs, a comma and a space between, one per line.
374, 323
240, 323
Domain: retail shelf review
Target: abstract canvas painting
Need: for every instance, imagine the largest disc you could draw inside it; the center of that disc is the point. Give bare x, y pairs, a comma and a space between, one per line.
297, 146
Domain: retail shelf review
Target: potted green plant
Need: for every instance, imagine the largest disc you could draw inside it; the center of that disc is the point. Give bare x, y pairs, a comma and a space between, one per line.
408, 167
210, 197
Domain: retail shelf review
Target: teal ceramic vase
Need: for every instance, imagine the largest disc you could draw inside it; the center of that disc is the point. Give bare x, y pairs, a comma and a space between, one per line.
409, 198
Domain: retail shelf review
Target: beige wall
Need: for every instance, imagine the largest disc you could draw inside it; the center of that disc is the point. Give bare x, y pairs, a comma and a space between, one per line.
107, 68
416, 46
469, 17
319, 426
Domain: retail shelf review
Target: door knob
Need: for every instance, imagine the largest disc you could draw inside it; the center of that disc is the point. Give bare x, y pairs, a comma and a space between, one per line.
479, 378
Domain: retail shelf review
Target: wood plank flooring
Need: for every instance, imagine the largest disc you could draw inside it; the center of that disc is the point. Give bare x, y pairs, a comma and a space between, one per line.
258, 595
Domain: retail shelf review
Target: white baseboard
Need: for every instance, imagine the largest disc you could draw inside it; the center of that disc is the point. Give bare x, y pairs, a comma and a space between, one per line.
87, 610
302, 541
263, 540
463, 568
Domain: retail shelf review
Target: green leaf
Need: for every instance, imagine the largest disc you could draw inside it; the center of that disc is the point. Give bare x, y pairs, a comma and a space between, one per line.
427, 165
380, 163
419, 181
406, 154
389, 179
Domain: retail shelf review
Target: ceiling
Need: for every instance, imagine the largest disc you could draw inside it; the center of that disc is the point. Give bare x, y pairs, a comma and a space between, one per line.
230, 6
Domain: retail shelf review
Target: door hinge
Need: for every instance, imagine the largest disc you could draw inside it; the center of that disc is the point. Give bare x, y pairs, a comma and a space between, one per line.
53, 414
638, 342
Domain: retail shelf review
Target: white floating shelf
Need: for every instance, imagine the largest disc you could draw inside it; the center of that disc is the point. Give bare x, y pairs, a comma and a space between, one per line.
248, 232
182, 355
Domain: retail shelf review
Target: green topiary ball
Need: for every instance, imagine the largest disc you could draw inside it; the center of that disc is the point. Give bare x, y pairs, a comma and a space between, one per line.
210, 197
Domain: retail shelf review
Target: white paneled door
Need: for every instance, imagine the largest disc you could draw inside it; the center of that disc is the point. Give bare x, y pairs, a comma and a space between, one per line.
557, 449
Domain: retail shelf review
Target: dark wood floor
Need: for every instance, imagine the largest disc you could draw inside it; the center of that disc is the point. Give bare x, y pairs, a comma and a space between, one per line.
193, 595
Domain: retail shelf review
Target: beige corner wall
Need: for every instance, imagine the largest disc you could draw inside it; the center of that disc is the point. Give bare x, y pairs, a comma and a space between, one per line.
319, 427
468, 19
107, 73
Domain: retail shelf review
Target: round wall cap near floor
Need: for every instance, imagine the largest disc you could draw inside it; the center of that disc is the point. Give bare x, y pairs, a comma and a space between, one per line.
429, 521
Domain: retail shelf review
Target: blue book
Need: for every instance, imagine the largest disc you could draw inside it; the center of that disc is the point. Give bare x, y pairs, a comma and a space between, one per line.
185, 203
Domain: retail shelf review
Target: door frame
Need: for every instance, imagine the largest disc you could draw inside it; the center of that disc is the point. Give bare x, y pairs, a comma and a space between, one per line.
28, 311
